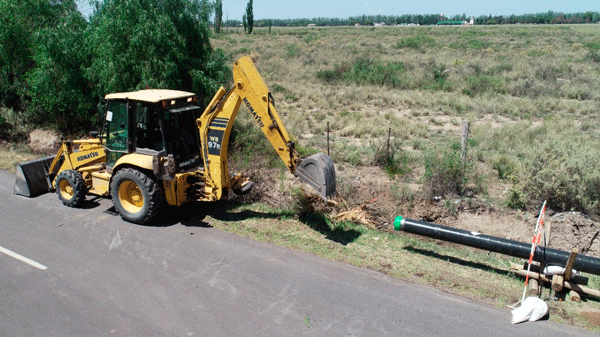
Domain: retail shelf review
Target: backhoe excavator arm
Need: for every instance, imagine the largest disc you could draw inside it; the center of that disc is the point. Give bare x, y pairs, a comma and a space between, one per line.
216, 123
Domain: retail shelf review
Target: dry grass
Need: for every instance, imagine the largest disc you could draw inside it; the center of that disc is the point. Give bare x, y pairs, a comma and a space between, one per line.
11, 156
492, 76
502, 79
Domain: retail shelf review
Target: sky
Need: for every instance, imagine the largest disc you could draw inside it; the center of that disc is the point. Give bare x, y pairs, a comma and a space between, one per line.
278, 9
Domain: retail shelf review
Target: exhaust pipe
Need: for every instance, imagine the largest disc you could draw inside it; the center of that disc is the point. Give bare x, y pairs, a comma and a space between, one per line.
522, 250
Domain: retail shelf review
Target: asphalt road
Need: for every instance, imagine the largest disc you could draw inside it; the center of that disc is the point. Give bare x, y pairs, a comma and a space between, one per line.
106, 277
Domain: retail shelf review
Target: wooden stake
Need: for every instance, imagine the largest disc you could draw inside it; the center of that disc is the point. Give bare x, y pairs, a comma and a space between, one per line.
534, 287
569, 266
536, 269
388, 141
568, 284
328, 138
574, 296
558, 282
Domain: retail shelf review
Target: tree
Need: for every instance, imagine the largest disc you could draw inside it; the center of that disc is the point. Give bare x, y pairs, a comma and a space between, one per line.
218, 15
155, 44
245, 23
61, 96
55, 66
19, 22
249, 16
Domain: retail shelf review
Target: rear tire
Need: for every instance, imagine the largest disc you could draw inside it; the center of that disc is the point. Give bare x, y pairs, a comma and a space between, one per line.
137, 197
71, 188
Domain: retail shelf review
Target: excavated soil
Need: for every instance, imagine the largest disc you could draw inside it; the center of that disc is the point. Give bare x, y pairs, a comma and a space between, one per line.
368, 189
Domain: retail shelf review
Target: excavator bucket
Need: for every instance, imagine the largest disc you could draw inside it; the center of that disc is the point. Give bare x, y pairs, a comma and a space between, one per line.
32, 177
318, 171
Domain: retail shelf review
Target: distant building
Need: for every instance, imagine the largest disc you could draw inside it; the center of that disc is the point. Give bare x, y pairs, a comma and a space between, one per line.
312, 25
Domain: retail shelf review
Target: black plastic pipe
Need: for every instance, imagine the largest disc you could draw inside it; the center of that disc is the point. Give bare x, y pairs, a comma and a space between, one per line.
583, 263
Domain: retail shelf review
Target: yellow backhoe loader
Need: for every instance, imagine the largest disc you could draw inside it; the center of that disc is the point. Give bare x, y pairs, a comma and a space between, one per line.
158, 147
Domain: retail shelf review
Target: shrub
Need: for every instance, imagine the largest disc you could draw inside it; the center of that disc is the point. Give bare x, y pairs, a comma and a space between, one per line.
12, 125
504, 166
334, 75
516, 199
292, 50
402, 193
440, 78
556, 162
444, 173
278, 88
392, 159
248, 145
480, 84
416, 42
366, 71
563, 170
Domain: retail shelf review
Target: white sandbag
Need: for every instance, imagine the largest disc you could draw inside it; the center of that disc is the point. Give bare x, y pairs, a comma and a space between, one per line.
521, 314
557, 270
531, 309
540, 308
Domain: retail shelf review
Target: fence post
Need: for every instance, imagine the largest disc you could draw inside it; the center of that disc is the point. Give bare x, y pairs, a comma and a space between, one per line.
328, 138
465, 138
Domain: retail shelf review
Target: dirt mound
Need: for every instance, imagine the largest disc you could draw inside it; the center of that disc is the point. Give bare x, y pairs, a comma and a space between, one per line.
368, 198
44, 141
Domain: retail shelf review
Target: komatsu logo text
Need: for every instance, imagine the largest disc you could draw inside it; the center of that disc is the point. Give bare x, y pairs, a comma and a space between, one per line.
256, 116
87, 156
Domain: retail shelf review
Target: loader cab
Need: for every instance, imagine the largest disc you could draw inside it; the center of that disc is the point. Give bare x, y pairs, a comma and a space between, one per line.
153, 122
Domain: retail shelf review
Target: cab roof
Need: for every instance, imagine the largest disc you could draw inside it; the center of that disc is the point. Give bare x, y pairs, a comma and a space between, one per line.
151, 95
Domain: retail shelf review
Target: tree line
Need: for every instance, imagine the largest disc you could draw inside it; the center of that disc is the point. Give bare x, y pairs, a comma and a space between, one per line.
56, 65
431, 19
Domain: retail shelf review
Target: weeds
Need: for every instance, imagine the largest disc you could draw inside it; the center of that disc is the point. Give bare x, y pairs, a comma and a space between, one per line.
444, 173
416, 42
504, 166
510, 76
292, 50
477, 85
392, 159
366, 71
555, 162
402, 193
12, 125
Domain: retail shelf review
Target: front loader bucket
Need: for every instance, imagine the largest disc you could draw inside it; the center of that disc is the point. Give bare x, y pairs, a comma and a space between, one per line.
32, 177
318, 171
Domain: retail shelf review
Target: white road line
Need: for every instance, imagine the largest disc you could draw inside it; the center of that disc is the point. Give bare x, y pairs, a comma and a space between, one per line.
22, 258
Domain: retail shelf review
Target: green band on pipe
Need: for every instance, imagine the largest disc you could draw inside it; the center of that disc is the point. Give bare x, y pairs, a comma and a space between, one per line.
398, 223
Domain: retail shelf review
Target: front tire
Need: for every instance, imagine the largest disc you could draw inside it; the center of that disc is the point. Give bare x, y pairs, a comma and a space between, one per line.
70, 187
137, 197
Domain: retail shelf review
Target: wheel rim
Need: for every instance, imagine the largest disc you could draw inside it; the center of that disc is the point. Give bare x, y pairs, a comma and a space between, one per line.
131, 196
66, 190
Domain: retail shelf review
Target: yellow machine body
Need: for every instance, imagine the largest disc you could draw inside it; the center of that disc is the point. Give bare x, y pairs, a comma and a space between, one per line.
141, 173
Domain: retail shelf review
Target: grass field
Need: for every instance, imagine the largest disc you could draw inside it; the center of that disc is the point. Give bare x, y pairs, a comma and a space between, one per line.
530, 93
